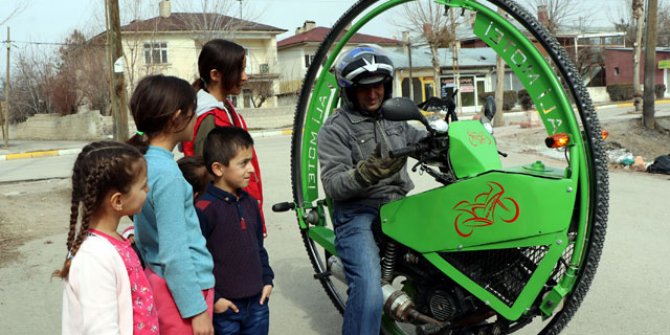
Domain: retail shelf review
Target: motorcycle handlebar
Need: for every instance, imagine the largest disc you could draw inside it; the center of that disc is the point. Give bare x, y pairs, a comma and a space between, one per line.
410, 150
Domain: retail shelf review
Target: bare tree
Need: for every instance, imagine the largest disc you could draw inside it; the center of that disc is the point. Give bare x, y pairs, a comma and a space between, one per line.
261, 85
82, 63
261, 89
663, 17
498, 118
637, 7
559, 12
648, 119
32, 80
438, 30
4, 115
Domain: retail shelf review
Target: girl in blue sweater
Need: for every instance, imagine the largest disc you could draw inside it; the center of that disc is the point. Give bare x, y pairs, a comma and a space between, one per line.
167, 232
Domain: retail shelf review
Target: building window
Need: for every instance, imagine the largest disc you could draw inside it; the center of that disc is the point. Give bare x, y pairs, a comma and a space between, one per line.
246, 55
247, 96
308, 60
155, 53
264, 68
616, 71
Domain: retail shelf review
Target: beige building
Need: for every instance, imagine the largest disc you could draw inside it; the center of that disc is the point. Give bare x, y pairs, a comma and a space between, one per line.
170, 44
296, 53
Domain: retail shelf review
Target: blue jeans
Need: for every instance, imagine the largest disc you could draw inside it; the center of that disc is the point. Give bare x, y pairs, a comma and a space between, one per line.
356, 247
252, 319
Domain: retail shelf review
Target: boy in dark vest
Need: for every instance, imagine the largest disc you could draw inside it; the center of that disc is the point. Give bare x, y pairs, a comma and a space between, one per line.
231, 223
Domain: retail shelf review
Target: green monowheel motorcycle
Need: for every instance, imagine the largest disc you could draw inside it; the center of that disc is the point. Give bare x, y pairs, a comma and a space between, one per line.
489, 249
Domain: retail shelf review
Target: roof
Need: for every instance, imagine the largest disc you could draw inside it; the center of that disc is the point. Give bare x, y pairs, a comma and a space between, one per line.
466, 33
318, 34
587, 31
189, 21
422, 58
658, 49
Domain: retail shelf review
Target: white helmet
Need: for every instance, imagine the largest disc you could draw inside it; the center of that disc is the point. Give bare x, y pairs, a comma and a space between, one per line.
364, 65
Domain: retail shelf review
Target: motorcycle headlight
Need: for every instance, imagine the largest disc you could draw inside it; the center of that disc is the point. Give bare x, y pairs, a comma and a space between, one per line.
440, 126
488, 127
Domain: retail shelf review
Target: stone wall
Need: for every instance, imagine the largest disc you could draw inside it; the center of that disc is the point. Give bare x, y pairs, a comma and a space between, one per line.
81, 126
90, 125
599, 95
268, 118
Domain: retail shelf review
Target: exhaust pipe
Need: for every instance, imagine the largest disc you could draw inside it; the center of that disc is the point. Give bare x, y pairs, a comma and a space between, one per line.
397, 304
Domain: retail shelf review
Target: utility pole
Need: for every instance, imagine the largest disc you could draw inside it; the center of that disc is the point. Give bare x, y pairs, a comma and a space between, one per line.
650, 66
240, 9
638, 10
5, 121
408, 43
455, 49
498, 118
110, 61
119, 99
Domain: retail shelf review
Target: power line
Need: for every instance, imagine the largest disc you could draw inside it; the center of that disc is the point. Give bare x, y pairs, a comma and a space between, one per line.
54, 43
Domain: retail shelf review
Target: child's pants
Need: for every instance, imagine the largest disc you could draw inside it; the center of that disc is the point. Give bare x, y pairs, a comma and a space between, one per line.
252, 319
169, 319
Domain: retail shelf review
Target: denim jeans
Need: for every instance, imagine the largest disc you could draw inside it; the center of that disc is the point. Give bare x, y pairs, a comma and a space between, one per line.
252, 319
356, 247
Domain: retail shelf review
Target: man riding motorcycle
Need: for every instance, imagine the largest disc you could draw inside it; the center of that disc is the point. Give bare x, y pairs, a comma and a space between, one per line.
359, 177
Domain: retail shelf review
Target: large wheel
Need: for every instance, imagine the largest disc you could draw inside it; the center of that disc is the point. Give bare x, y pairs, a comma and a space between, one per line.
318, 96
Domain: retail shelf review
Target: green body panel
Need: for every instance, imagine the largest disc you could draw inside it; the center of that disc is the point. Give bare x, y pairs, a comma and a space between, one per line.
300, 214
324, 98
472, 149
489, 210
538, 168
325, 237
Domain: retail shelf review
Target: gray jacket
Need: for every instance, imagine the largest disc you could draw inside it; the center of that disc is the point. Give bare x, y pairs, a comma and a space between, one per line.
348, 137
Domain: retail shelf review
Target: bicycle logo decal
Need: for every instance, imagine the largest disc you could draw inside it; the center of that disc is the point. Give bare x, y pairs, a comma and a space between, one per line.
478, 138
488, 207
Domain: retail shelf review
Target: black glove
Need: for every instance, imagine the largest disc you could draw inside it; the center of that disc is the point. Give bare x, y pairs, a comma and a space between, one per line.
375, 168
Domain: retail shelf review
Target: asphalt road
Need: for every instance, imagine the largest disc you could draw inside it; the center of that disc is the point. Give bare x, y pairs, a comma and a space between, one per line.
627, 296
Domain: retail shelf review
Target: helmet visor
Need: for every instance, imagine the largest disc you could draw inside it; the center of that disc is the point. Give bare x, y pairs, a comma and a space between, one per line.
371, 80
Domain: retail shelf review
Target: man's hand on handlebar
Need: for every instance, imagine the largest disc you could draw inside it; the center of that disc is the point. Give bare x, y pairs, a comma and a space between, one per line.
375, 168
413, 150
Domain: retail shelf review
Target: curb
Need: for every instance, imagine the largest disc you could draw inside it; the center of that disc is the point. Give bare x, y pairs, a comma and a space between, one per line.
64, 152
630, 104
37, 154
268, 133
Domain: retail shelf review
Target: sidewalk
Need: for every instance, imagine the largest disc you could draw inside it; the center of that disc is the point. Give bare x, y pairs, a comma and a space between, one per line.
22, 149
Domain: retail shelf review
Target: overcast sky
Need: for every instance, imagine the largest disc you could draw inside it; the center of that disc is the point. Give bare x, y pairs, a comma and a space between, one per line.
51, 21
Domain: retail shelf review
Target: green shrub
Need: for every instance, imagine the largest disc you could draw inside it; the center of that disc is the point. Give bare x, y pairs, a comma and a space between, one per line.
620, 92
524, 100
509, 99
659, 90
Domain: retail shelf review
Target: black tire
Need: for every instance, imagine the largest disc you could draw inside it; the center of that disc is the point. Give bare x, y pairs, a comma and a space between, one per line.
593, 148
596, 160
317, 256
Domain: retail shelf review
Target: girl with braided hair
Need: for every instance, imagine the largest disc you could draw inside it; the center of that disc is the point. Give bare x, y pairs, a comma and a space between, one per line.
106, 290
167, 230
